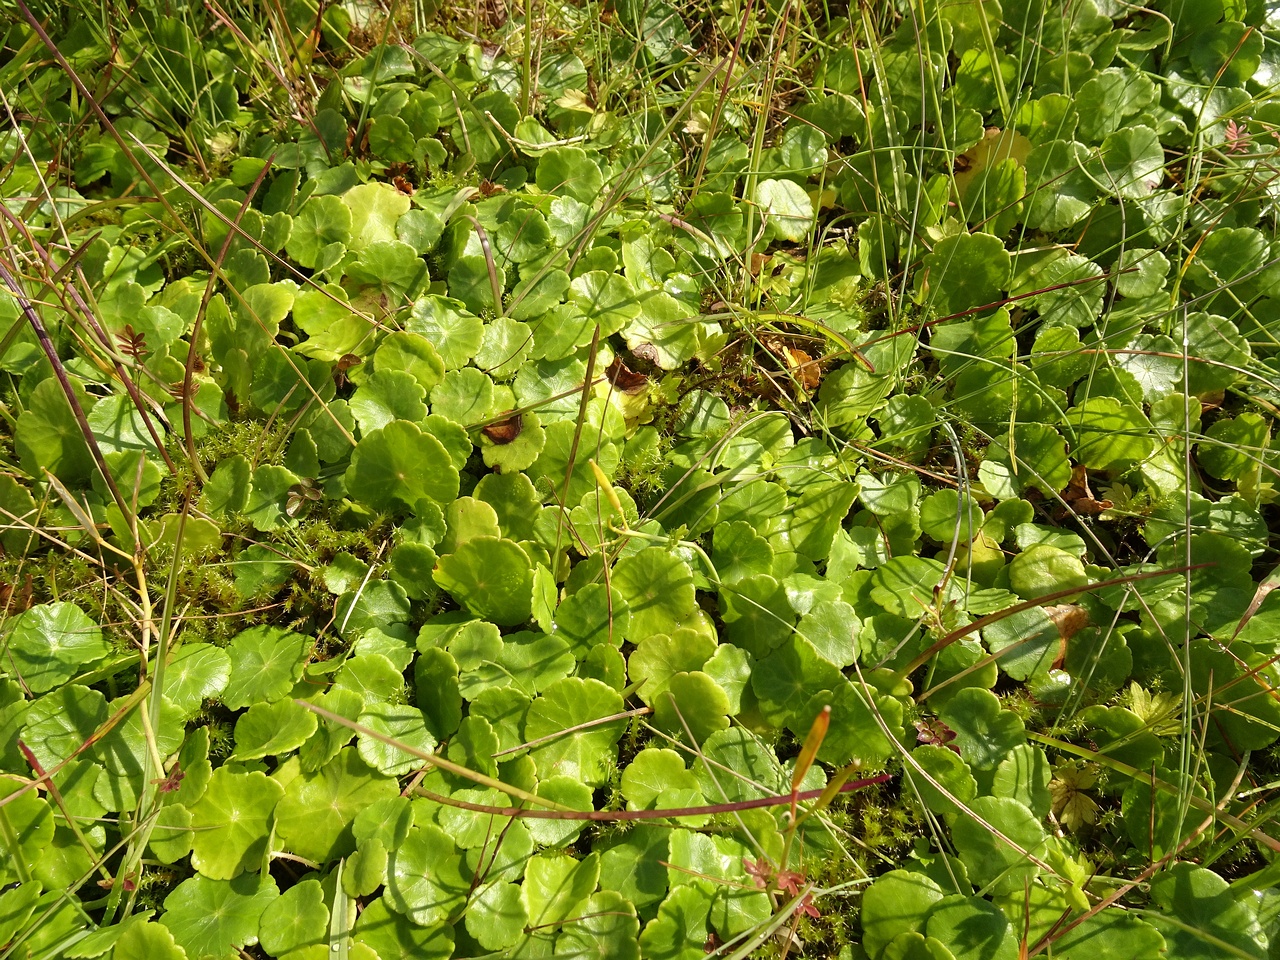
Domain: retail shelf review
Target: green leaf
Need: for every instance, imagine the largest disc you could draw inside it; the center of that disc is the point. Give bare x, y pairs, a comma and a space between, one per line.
692, 705
1043, 569
606, 299
265, 664
855, 733
785, 679
395, 937
786, 209
427, 880
1073, 303
231, 823
657, 779
1130, 163
400, 465
492, 577
50, 643
268, 498
608, 930
322, 221
313, 819
1109, 433
973, 929
412, 354
570, 793
1032, 639
1199, 900
1062, 193
211, 918
1112, 935
125, 750
659, 657
967, 270
505, 347
404, 724
273, 729
554, 886
48, 437
31, 822
916, 946
464, 396
985, 732
60, 722
385, 396
897, 902
297, 918
585, 754
147, 941
595, 614
16, 906
679, 931
455, 333
1003, 867
471, 282
569, 171
497, 917
375, 208
757, 614
658, 589
19, 513
1038, 458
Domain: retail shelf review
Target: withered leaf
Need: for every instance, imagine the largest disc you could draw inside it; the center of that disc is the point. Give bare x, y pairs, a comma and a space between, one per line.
504, 431
625, 379
1080, 498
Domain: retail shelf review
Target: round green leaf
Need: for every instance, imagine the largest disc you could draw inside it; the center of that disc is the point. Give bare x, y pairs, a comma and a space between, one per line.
1002, 864
607, 930
314, 817
385, 396
692, 705
963, 271
785, 679
395, 937
265, 664
297, 918
322, 221
555, 886
50, 643
585, 754
231, 823
786, 208
403, 723
427, 880
973, 929
1130, 163
1042, 569
147, 941
658, 589
196, 672
48, 436
569, 171
657, 658
400, 465
492, 577
413, 354
273, 729
455, 333
497, 917
211, 918
897, 902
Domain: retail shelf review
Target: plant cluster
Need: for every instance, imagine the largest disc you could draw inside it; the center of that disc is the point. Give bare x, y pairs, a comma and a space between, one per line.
495, 486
